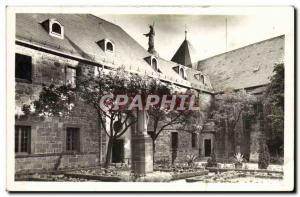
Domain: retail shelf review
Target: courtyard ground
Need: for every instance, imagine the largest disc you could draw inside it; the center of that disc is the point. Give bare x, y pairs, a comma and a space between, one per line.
224, 173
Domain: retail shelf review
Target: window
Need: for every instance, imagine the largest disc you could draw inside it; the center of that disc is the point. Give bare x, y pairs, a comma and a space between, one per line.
181, 72
154, 64
202, 79
194, 140
23, 67
152, 61
96, 71
71, 76
174, 140
22, 139
258, 108
106, 45
109, 46
56, 28
72, 139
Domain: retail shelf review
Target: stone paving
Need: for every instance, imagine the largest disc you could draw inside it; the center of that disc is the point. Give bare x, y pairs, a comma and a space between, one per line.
235, 177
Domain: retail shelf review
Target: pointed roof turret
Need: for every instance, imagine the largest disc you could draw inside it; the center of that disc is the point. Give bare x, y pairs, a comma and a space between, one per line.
183, 54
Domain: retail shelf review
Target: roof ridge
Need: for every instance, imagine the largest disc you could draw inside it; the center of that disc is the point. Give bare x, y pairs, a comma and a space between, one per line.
282, 35
102, 19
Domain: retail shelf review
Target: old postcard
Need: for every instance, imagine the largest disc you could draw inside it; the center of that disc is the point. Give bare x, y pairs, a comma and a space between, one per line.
150, 98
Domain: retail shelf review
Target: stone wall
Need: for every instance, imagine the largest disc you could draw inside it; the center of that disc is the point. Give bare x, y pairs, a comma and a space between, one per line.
48, 136
47, 162
163, 149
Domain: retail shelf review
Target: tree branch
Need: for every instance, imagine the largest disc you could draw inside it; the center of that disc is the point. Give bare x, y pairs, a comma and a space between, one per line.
125, 129
168, 124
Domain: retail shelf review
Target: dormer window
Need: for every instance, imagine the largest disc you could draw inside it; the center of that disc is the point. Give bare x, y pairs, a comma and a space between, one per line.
154, 64
54, 28
152, 61
109, 46
200, 77
180, 69
181, 72
106, 45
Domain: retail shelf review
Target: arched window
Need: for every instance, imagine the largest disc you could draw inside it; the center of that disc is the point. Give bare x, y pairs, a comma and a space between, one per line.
154, 64
56, 28
202, 79
109, 46
181, 72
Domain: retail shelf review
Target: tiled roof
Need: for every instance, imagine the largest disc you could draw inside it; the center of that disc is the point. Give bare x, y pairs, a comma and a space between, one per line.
241, 68
183, 54
191, 77
245, 67
81, 34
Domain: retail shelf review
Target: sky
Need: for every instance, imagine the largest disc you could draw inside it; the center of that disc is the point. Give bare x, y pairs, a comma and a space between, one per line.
206, 33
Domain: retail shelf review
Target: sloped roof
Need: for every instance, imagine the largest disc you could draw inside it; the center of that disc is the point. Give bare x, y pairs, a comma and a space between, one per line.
245, 67
183, 54
82, 32
191, 73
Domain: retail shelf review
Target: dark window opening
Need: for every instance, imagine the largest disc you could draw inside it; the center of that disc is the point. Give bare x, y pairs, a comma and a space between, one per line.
23, 67
258, 107
56, 28
72, 140
109, 46
207, 148
22, 139
194, 140
154, 64
174, 140
118, 151
181, 72
202, 79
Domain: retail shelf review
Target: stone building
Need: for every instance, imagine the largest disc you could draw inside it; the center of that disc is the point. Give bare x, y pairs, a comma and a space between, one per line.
50, 47
248, 68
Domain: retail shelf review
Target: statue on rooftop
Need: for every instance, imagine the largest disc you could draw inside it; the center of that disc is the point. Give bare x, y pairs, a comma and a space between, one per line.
151, 35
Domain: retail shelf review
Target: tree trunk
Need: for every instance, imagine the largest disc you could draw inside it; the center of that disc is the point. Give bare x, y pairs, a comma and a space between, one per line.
226, 140
153, 145
100, 141
109, 152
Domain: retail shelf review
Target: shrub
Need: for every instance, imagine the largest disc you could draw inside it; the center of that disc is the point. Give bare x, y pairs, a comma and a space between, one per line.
212, 161
238, 160
190, 160
277, 160
163, 162
263, 157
